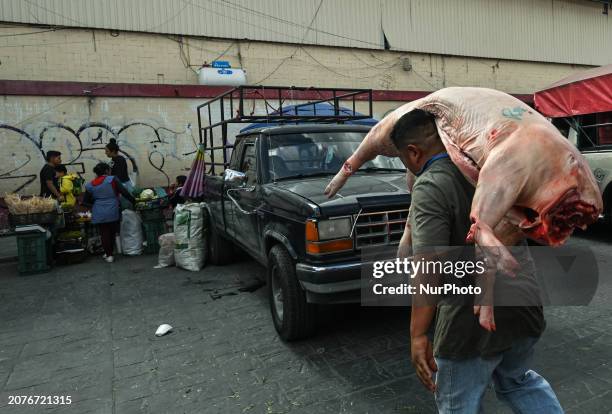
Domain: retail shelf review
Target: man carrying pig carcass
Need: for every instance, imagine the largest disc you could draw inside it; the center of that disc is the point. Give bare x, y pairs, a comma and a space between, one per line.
463, 358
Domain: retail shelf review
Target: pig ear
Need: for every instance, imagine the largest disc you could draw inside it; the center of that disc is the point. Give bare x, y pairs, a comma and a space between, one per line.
412, 125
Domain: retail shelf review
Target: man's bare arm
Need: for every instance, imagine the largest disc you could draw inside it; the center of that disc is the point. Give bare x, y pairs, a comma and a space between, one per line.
420, 346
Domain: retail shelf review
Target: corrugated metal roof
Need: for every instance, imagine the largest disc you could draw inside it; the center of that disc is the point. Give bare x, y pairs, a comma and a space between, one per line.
563, 31
337, 23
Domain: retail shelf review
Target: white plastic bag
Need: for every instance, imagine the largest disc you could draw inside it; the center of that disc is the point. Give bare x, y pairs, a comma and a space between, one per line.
188, 232
131, 233
165, 257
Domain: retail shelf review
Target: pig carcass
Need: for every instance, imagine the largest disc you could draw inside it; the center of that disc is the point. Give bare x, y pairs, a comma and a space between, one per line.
530, 181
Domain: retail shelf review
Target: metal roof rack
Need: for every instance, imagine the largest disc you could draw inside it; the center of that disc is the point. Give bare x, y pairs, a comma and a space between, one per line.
233, 102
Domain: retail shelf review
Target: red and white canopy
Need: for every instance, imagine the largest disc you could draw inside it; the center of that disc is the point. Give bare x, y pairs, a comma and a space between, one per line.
582, 93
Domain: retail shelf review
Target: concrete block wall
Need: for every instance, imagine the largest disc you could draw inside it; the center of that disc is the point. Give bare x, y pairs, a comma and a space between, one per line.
107, 56
158, 135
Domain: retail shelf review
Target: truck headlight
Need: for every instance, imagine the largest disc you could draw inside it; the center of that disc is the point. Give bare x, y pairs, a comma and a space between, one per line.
329, 236
336, 228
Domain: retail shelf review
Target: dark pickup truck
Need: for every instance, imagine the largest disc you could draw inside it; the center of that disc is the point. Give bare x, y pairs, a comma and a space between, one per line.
269, 201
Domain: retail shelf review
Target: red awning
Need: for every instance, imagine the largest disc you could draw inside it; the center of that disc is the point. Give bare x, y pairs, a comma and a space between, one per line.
585, 92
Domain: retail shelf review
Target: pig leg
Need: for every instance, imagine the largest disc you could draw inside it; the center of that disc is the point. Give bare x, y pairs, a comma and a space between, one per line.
493, 199
377, 142
351, 165
496, 193
499, 185
483, 303
509, 234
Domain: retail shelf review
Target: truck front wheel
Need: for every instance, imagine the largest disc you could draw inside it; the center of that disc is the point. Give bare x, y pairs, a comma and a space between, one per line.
293, 317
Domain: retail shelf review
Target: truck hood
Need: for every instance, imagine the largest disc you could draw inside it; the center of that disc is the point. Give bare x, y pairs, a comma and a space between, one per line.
369, 191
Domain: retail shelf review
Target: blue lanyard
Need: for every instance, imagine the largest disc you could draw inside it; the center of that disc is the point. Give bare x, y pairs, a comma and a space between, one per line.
430, 161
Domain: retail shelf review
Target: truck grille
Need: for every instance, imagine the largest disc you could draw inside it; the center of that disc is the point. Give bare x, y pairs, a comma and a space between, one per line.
380, 228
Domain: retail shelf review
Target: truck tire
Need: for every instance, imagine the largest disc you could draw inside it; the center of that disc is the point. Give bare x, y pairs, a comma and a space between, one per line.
219, 248
293, 317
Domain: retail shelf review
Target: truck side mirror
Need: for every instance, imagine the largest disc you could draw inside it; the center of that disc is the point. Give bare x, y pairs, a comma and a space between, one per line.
235, 177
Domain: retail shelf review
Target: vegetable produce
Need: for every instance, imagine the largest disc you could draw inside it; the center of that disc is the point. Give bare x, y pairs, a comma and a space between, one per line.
32, 205
147, 194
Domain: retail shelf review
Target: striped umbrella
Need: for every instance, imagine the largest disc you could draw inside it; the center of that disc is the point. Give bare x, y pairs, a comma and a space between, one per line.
194, 186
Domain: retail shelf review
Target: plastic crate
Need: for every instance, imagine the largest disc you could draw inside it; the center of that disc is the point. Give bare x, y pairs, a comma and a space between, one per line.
33, 252
34, 218
69, 258
152, 230
151, 214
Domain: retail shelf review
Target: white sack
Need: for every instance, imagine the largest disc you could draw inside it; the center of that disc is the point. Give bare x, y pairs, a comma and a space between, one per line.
131, 233
188, 232
165, 257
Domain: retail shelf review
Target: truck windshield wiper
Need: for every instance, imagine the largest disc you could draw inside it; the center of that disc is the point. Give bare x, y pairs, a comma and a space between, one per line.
373, 169
314, 174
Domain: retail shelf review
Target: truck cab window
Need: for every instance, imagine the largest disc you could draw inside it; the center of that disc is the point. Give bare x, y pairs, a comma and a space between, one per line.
249, 164
235, 157
604, 130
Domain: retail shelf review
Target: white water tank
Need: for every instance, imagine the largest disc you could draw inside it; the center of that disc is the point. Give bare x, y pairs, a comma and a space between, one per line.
221, 74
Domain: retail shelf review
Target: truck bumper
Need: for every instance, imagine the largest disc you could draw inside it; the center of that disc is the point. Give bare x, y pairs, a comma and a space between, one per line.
334, 283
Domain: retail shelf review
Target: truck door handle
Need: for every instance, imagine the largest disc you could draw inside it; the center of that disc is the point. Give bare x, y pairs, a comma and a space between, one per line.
238, 206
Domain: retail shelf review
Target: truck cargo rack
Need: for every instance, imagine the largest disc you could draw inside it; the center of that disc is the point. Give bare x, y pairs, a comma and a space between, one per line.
274, 97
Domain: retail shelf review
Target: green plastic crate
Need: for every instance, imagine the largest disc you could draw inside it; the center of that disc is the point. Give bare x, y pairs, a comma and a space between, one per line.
152, 230
151, 214
33, 252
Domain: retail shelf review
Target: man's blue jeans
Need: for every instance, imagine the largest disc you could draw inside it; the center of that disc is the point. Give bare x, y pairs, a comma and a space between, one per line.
461, 384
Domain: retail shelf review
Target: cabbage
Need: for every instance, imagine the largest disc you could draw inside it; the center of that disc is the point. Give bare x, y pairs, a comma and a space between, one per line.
147, 194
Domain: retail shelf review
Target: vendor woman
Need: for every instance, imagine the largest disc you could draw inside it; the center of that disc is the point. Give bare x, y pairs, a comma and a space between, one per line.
118, 164
103, 194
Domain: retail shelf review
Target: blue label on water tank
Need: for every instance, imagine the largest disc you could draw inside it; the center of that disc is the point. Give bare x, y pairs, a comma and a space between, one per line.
221, 64
224, 72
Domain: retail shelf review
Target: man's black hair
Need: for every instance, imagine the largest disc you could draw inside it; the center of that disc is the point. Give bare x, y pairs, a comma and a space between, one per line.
415, 127
112, 145
61, 168
101, 169
181, 179
52, 154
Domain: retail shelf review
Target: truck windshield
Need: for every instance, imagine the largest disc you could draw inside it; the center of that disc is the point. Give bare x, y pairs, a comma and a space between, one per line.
320, 153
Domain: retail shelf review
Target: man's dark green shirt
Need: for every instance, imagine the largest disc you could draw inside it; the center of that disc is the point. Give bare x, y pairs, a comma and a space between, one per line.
440, 216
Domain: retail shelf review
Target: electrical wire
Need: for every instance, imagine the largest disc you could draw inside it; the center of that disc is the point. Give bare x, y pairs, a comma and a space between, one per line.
46, 110
227, 3
30, 2
174, 16
51, 44
238, 20
226, 50
184, 58
340, 73
195, 47
316, 13
55, 29
379, 66
425, 80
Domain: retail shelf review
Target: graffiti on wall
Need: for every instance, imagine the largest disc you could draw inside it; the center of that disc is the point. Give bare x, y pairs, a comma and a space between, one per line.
153, 152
